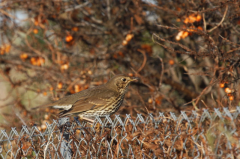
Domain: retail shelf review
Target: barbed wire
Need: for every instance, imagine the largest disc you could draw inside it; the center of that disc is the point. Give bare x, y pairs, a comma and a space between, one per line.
189, 135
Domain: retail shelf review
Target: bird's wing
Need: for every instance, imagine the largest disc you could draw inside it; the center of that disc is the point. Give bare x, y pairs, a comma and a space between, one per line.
44, 106
99, 98
66, 102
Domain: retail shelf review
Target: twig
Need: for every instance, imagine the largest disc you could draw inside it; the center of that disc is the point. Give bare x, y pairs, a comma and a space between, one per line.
77, 7
108, 10
224, 15
204, 90
45, 149
161, 76
180, 45
204, 22
20, 118
144, 60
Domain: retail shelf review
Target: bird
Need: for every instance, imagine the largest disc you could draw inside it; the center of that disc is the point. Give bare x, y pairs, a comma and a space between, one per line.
99, 101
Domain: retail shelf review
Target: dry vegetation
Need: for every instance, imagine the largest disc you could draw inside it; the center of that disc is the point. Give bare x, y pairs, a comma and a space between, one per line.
191, 135
186, 54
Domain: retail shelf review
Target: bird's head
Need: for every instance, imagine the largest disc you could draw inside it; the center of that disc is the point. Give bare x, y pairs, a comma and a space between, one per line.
120, 82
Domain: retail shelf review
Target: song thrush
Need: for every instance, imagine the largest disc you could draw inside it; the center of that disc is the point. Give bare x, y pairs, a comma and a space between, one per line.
97, 101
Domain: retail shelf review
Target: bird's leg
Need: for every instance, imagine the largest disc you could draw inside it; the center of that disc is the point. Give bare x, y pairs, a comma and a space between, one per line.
91, 121
86, 119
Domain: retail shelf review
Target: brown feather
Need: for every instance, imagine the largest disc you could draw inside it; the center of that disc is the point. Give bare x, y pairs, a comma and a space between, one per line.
92, 102
103, 99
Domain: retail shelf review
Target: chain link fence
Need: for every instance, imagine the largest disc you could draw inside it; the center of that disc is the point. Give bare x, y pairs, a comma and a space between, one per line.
195, 134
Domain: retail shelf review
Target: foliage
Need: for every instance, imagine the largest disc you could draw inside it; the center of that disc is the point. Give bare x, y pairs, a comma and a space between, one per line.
185, 53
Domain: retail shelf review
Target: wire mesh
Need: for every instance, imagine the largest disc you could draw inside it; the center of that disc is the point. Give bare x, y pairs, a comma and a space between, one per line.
196, 134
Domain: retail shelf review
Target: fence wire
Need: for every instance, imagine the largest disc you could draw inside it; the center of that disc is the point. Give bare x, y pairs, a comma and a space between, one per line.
198, 134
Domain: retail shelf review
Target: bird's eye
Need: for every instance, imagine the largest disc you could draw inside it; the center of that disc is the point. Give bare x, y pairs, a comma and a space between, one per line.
123, 79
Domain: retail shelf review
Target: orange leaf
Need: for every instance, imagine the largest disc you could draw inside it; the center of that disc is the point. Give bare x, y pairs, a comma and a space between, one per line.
221, 85
35, 31
60, 84
171, 62
138, 19
23, 56
231, 98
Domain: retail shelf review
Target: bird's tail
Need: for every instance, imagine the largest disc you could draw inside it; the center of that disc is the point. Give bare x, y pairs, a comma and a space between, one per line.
41, 106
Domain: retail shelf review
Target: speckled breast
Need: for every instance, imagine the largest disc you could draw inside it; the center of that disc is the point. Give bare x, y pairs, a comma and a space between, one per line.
107, 109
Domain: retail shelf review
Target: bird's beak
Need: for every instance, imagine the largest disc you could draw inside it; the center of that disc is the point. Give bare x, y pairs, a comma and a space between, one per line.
134, 79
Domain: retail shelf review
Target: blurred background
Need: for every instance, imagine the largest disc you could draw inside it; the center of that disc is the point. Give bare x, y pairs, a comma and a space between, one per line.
185, 53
